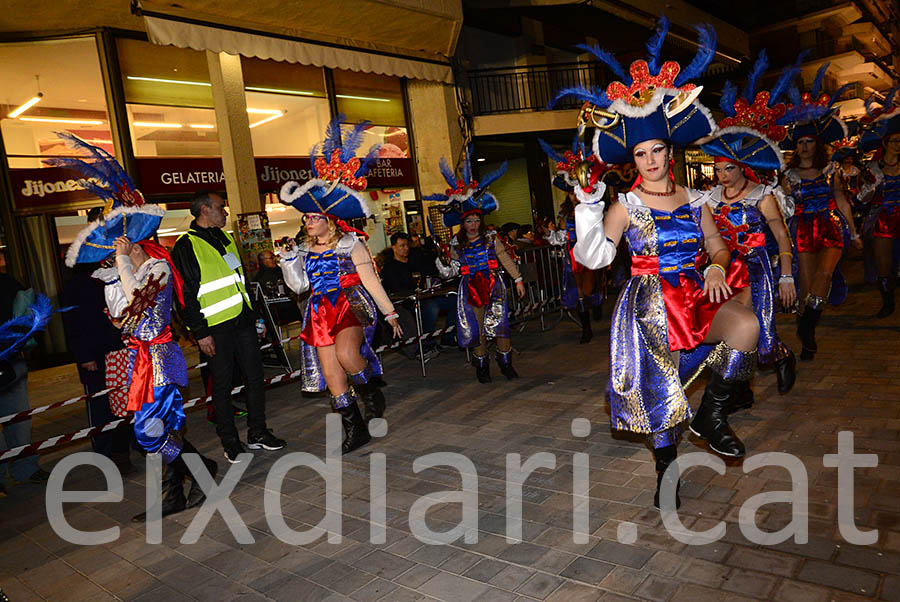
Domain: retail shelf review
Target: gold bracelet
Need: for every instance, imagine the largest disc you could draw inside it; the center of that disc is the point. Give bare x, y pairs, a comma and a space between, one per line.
786, 253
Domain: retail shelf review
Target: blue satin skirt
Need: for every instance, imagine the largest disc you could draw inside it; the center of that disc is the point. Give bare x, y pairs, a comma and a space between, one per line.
154, 421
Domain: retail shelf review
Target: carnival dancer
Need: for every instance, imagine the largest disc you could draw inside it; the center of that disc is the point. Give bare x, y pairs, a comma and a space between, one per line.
139, 291
333, 262
579, 283
880, 188
822, 224
669, 308
482, 307
744, 208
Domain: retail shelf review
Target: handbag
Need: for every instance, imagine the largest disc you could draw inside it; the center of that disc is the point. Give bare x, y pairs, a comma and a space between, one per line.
118, 377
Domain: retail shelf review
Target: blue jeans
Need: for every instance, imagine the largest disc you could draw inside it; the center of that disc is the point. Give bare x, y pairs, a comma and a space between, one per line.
432, 307
14, 399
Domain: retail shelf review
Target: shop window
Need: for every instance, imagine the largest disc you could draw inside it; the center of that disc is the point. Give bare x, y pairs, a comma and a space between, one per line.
367, 96
46, 87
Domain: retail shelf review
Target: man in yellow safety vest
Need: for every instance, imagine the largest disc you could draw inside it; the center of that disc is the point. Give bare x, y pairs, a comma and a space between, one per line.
218, 312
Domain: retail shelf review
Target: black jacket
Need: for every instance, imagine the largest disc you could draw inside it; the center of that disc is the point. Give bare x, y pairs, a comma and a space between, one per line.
90, 333
186, 263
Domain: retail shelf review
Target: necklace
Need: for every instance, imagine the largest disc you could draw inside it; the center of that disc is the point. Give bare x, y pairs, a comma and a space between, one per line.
669, 192
731, 198
886, 164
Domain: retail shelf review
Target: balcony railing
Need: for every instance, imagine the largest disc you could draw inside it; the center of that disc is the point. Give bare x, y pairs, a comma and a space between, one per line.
515, 89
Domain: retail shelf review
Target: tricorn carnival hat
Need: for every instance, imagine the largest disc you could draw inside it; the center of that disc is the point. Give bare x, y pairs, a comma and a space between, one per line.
339, 176
566, 163
879, 122
125, 214
813, 114
754, 120
847, 147
654, 100
466, 195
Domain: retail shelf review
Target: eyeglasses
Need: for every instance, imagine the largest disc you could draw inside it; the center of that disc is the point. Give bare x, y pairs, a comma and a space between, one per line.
312, 218
472, 221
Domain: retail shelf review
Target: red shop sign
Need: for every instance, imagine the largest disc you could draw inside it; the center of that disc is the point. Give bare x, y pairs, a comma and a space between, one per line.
47, 188
162, 176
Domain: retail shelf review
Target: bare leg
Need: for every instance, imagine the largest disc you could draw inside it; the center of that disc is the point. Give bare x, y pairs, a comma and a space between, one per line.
884, 260
347, 343
826, 261
335, 376
343, 400
807, 267
736, 326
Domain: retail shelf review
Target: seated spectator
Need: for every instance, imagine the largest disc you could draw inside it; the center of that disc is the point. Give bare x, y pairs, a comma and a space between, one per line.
509, 232
271, 280
525, 238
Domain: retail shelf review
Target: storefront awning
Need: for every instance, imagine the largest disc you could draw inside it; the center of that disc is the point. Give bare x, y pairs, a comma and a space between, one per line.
183, 32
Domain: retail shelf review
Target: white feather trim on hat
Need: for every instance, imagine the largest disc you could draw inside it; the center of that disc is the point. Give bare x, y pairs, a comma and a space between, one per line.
75, 247
292, 191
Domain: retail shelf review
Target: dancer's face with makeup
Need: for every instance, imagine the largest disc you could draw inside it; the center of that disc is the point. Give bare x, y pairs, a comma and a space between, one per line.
652, 160
729, 174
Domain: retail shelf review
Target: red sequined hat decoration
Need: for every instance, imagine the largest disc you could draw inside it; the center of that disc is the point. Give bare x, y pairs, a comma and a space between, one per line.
335, 170
461, 187
758, 116
644, 85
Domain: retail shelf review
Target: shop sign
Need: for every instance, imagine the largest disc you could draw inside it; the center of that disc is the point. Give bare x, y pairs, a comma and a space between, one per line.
161, 176
46, 188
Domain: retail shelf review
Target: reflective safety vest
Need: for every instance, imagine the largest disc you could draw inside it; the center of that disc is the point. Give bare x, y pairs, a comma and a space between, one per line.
222, 289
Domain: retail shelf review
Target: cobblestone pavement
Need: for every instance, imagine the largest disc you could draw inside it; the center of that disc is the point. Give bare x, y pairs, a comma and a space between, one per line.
852, 386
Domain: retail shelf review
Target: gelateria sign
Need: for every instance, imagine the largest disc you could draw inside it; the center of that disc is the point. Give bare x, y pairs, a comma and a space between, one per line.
55, 188
161, 176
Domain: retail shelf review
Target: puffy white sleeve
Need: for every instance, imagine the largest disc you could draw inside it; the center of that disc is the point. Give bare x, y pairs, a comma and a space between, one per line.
592, 249
558, 238
294, 271
126, 276
369, 279
448, 271
870, 179
112, 290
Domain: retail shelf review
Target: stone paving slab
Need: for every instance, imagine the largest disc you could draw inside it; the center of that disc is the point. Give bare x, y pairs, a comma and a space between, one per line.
628, 553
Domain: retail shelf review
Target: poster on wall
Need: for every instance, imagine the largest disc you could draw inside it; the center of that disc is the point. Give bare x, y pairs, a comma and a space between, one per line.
255, 236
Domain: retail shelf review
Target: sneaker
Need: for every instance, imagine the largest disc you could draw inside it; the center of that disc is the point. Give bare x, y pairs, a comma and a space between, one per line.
233, 449
265, 440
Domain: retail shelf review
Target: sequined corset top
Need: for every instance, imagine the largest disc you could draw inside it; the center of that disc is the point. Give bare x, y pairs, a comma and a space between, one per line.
478, 256
741, 225
679, 239
570, 230
813, 196
156, 318
326, 271
890, 189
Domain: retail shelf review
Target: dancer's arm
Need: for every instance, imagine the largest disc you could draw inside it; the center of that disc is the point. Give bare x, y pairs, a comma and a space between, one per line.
369, 279
714, 284
844, 207
598, 236
509, 265
768, 206
294, 271
448, 271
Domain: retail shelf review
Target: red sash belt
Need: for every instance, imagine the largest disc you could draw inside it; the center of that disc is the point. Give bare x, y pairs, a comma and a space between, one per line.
644, 265
754, 239
348, 280
141, 389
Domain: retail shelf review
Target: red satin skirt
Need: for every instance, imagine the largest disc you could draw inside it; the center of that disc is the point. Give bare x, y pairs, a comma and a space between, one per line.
689, 312
888, 223
323, 325
818, 231
577, 268
737, 275
480, 287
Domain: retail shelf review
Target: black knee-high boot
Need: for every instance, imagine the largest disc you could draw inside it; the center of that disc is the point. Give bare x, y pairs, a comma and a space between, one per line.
355, 430
584, 314
482, 368
370, 393
664, 457
806, 328
711, 420
886, 284
173, 474
504, 360
786, 371
196, 495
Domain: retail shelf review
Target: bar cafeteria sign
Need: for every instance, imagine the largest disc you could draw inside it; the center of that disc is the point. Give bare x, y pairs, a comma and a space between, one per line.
161, 176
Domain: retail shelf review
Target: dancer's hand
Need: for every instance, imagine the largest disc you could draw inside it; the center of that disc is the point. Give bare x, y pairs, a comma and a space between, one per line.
857, 243
715, 286
395, 325
123, 246
520, 289
788, 293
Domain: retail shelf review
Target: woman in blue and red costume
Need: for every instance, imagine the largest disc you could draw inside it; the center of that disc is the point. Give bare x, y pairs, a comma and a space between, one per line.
672, 318
579, 283
482, 307
139, 291
822, 225
744, 209
333, 262
880, 188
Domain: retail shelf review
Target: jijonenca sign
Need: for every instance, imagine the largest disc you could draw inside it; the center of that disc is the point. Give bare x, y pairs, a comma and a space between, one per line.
40, 188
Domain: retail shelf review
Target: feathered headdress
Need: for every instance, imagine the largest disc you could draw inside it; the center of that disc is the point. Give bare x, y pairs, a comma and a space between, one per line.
879, 122
654, 100
338, 175
125, 213
566, 164
466, 195
752, 128
16, 332
813, 114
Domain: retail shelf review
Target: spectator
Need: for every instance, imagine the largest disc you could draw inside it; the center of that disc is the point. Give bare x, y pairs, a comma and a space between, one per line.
525, 241
269, 275
509, 232
14, 394
217, 310
91, 336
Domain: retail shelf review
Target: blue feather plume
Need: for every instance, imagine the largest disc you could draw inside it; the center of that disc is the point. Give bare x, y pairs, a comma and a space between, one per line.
332, 140
869, 102
447, 172
596, 97
313, 153
706, 39
803, 113
467, 164
354, 140
759, 67
88, 170
577, 144
104, 168
436, 197
16, 332
368, 162
889, 99
820, 77
794, 96
550, 151
116, 176
729, 97
492, 177
786, 79
606, 57
840, 91
655, 44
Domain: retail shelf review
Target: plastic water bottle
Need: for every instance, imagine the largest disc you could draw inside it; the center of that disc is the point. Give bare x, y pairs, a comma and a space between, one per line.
260, 327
